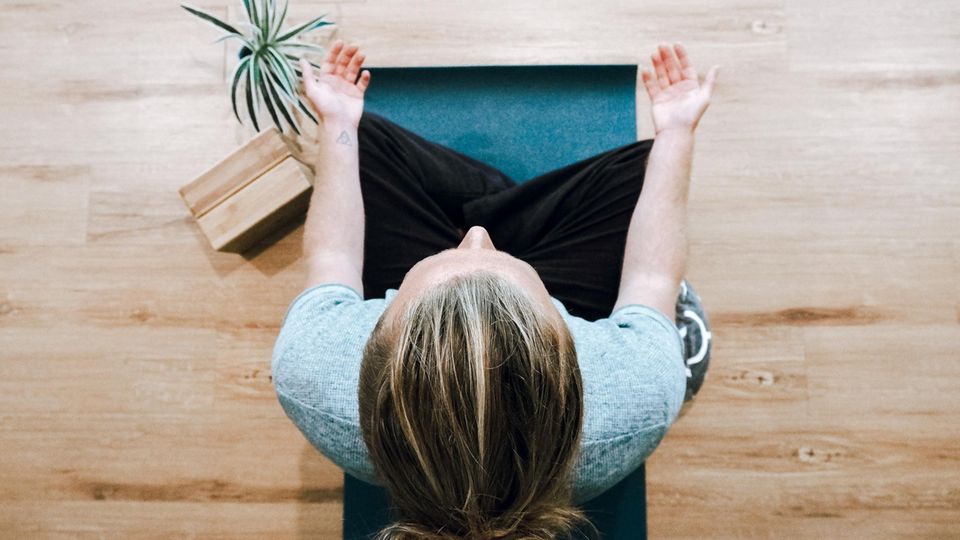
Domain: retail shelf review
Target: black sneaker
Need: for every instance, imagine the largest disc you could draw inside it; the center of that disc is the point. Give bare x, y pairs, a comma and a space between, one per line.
697, 340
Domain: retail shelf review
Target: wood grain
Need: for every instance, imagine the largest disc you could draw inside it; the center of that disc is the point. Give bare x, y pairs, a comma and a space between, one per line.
234, 172
135, 396
248, 212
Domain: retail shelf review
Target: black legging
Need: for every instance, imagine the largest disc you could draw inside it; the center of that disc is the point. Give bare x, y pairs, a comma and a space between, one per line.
570, 224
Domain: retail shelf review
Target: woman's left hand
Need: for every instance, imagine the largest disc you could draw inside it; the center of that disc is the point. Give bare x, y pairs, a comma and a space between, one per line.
336, 93
677, 96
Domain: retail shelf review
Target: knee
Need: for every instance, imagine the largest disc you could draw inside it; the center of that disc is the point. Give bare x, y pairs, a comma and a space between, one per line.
638, 152
372, 132
370, 119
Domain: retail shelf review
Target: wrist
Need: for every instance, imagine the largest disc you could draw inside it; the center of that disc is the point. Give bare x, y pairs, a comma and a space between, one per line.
674, 140
676, 131
333, 130
337, 137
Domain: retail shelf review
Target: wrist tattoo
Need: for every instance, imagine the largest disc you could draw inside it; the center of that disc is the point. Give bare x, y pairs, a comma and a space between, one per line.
344, 138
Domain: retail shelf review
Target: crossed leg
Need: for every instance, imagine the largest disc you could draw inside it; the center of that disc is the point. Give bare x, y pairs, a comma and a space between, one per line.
413, 195
570, 224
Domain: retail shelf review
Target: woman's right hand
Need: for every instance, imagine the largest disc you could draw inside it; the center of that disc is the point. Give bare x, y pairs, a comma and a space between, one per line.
678, 99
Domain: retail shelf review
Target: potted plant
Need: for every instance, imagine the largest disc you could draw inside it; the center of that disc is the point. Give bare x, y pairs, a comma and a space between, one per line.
260, 185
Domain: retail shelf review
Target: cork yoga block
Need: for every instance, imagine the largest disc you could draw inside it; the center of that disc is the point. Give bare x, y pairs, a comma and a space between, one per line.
248, 194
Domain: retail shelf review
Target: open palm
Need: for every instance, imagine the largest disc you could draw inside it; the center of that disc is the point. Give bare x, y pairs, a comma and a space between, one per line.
335, 92
677, 98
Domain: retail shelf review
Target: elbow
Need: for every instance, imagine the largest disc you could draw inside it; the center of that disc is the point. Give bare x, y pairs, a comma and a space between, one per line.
658, 290
663, 280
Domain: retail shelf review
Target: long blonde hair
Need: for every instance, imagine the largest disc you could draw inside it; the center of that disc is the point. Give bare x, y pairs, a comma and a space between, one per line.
471, 406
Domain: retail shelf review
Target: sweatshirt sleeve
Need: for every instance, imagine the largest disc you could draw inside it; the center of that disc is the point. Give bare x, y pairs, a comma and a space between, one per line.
633, 369
315, 366
655, 344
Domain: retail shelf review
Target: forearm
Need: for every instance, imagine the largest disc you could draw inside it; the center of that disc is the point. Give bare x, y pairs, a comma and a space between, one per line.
655, 257
334, 228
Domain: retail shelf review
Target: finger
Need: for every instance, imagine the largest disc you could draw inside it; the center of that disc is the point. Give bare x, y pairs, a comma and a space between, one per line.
364, 80
329, 63
291, 142
353, 68
650, 84
345, 57
309, 80
686, 67
711, 78
298, 116
662, 80
670, 63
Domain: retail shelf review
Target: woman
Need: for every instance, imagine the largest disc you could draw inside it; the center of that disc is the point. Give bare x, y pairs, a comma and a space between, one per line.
491, 353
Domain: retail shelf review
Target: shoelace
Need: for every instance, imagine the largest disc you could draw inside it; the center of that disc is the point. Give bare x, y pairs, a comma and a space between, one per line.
705, 336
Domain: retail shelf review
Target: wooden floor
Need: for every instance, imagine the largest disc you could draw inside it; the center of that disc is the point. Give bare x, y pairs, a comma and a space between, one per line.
135, 398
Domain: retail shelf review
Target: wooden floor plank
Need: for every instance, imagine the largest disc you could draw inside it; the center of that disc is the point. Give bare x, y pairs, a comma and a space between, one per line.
220, 520
135, 391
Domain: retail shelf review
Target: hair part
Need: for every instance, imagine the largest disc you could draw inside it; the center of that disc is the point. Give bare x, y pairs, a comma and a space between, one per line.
471, 405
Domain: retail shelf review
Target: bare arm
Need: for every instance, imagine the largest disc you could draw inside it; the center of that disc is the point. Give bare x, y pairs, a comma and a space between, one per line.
654, 261
655, 257
334, 230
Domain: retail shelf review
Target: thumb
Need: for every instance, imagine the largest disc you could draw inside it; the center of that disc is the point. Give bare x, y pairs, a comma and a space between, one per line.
306, 71
292, 144
298, 116
711, 78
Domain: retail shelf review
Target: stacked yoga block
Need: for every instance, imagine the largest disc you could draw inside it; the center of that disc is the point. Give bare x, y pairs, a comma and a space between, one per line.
248, 194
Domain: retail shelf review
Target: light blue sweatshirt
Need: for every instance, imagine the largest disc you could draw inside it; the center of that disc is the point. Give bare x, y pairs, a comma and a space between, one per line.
631, 365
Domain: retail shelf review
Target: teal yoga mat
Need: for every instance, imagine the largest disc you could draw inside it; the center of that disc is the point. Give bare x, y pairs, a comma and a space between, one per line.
524, 120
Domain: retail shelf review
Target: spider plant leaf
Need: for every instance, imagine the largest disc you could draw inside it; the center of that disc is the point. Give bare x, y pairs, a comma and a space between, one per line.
282, 71
283, 110
296, 64
248, 27
229, 36
264, 83
308, 26
283, 82
254, 15
251, 87
257, 8
300, 104
283, 60
292, 98
210, 19
279, 82
293, 43
239, 71
304, 46
279, 22
306, 110
255, 41
266, 20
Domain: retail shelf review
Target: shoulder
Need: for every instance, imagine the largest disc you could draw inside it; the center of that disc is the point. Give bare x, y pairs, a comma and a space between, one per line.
320, 344
632, 367
315, 313
631, 363
316, 364
318, 299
